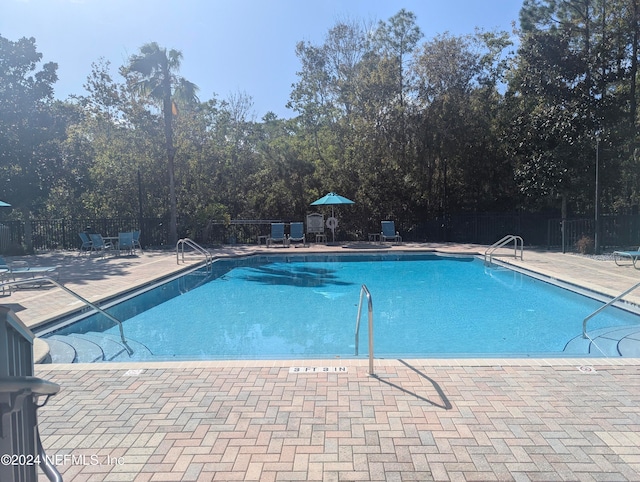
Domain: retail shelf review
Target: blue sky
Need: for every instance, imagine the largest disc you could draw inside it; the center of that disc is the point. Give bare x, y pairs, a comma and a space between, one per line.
228, 46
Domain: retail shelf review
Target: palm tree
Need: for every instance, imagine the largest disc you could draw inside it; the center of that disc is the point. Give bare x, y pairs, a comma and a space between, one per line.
157, 78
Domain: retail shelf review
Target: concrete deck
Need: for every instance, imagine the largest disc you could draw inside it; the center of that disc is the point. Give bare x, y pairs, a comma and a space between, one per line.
465, 419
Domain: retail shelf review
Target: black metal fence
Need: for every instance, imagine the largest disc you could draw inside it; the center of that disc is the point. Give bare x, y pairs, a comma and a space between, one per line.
63, 233
54, 234
615, 231
480, 228
238, 231
483, 228
536, 230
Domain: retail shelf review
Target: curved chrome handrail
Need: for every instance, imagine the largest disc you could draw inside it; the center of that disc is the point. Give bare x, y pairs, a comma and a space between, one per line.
192, 244
609, 303
503, 242
364, 291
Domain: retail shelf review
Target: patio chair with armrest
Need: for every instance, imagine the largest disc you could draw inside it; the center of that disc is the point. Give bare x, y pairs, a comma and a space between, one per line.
86, 243
277, 234
389, 232
125, 243
136, 241
98, 243
296, 233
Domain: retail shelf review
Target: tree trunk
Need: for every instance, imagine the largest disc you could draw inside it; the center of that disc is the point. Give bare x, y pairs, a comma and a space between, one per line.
563, 211
168, 134
28, 230
634, 62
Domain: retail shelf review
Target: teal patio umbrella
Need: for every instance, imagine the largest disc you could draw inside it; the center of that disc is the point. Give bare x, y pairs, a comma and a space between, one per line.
332, 199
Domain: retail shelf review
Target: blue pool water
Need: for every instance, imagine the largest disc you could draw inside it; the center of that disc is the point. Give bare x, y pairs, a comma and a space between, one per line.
306, 307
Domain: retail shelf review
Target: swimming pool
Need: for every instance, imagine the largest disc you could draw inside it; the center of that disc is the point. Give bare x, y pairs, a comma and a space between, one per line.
305, 306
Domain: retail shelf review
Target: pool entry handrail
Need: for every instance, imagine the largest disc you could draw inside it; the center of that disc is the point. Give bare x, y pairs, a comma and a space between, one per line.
364, 291
606, 305
517, 241
46, 279
195, 246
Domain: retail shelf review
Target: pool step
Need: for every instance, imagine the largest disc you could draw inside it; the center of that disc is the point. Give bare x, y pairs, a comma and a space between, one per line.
86, 350
614, 342
630, 345
60, 351
94, 347
110, 348
140, 351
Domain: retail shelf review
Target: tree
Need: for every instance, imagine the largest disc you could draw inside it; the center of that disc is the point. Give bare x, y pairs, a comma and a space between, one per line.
459, 162
153, 72
29, 134
574, 81
397, 39
327, 88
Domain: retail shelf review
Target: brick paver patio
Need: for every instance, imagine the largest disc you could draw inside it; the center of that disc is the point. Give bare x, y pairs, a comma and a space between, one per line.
414, 421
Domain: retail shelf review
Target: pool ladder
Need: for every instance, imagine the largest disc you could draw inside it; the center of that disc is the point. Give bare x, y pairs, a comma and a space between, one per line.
364, 291
517, 242
192, 244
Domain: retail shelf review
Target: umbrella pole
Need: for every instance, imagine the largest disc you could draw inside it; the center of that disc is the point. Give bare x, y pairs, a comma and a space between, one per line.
333, 230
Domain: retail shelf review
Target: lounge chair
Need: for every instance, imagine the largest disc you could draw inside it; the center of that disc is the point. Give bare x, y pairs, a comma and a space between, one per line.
86, 243
389, 232
22, 270
296, 233
315, 226
99, 244
277, 234
633, 256
125, 243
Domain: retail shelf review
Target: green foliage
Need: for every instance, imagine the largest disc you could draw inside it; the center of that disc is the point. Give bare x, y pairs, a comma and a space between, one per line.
29, 132
570, 85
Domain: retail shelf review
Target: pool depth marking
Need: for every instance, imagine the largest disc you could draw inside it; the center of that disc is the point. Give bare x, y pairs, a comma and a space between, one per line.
317, 369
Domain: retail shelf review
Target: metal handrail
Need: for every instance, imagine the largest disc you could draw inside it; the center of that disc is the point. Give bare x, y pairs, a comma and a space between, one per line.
365, 292
192, 244
503, 242
609, 303
78, 297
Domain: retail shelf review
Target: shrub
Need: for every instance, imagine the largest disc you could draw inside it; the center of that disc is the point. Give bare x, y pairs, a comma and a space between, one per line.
585, 245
